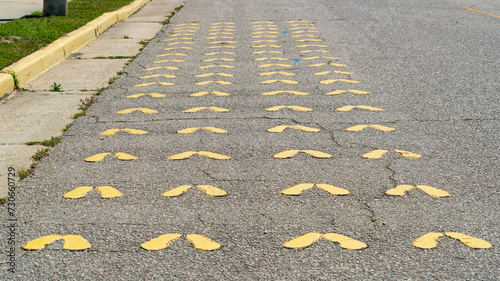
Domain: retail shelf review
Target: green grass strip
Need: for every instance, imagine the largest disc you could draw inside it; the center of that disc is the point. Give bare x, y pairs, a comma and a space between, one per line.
24, 36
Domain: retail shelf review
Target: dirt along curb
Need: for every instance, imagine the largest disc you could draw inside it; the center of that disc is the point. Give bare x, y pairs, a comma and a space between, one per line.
28, 68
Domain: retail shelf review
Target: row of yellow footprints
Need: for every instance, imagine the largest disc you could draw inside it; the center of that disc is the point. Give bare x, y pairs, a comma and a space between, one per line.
200, 242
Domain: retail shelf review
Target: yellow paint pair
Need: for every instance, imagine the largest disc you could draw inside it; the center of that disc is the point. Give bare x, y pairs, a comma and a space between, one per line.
105, 191
308, 239
119, 155
299, 188
430, 240
292, 152
199, 242
377, 154
359, 128
208, 154
209, 190
400, 190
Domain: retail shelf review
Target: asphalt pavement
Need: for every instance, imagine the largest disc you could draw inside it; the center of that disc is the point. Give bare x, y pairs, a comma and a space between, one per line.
424, 77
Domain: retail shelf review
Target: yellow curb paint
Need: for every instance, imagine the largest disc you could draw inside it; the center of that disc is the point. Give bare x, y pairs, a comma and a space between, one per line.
280, 80
209, 129
428, 241
303, 241
202, 243
177, 191
492, 15
215, 81
160, 67
124, 156
211, 191
217, 53
277, 72
78, 192
222, 59
297, 93
153, 95
213, 108
208, 154
7, 84
217, 93
143, 110
470, 241
108, 192
281, 128
408, 154
351, 107
262, 59
376, 154
155, 83
96, 158
263, 46
215, 65
330, 81
161, 242
399, 190
345, 242
338, 92
210, 74
294, 107
432, 191
358, 128
293, 152
275, 64
71, 242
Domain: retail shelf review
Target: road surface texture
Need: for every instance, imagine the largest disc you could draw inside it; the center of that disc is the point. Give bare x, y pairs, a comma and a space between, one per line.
411, 196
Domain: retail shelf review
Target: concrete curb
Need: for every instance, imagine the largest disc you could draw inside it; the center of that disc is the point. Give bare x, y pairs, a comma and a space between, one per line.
31, 66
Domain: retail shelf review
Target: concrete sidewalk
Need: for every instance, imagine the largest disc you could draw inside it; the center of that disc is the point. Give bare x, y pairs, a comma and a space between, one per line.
38, 114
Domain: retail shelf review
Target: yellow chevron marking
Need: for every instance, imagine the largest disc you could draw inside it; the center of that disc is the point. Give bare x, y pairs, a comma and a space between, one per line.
312, 45
303, 27
161, 67
208, 154
223, 23
78, 192
429, 240
108, 192
265, 32
215, 65
301, 24
305, 31
161, 242
308, 40
210, 74
277, 72
213, 108
171, 54
153, 95
350, 107
177, 43
275, 64
298, 189
265, 25
161, 61
223, 37
97, 157
358, 128
194, 129
292, 152
177, 48
304, 35
330, 81
217, 93
155, 83
71, 242
202, 243
209, 190
338, 92
263, 46
408, 154
112, 132
221, 33
257, 22
271, 58
314, 51
221, 29
158, 75
221, 59
180, 38
308, 239
185, 24
281, 128
218, 53
223, 42
337, 72
143, 110
294, 107
181, 34
228, 47
262, 41
376, 154
215, 81
400, 190
124, 156
279, 80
